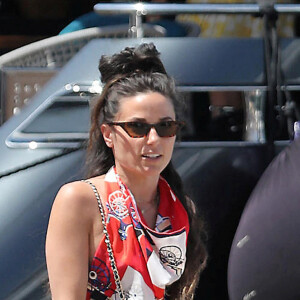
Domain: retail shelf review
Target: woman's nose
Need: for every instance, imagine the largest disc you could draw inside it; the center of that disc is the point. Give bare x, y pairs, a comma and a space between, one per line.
152, 136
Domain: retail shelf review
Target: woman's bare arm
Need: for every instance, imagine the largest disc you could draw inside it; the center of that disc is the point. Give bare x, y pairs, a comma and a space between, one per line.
67, 242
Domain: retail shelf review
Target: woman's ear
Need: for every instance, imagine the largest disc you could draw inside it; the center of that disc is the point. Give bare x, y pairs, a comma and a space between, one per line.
107, 135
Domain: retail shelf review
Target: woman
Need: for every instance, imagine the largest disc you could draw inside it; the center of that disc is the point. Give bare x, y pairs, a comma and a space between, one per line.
145, 242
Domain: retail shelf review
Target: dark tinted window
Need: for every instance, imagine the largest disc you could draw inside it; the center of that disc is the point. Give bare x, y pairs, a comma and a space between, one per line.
62, 116
214, 116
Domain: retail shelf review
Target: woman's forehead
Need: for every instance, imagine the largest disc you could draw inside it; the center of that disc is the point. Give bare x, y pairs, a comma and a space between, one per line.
146, 105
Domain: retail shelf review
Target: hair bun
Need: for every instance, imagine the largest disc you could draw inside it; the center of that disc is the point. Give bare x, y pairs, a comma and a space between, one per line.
143, 58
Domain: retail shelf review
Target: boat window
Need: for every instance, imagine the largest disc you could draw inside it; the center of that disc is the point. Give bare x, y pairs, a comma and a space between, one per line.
214, 116
64, 115
63, 120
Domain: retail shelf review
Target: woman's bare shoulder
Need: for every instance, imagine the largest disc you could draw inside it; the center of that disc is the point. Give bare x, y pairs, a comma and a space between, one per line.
77, 197
76, 192
79, 190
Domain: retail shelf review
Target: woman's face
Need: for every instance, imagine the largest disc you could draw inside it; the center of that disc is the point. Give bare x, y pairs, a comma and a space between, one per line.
147, 155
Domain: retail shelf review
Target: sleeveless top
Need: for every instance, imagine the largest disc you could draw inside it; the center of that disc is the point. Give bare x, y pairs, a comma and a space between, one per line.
147, 260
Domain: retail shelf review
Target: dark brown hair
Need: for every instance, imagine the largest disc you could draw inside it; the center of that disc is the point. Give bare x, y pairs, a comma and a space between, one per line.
128, 73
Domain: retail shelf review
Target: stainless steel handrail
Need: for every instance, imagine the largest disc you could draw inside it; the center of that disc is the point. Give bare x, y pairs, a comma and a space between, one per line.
137, 10
173, 8
193, 8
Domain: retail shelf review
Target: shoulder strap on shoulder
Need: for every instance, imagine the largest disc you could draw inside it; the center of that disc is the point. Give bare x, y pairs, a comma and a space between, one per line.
96, 194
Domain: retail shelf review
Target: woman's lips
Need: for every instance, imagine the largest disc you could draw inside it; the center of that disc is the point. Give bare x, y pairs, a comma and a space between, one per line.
151, 155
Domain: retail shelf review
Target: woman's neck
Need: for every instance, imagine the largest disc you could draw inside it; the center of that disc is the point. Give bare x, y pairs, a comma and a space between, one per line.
144, 188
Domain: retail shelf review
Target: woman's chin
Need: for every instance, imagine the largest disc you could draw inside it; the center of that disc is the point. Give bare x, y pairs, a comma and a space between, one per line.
152, 170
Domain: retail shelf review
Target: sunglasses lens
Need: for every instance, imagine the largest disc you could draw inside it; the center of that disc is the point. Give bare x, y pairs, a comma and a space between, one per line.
167, 129
136, 129
141, 129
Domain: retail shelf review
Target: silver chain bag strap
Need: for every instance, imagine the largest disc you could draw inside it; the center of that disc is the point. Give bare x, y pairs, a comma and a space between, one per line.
107, 242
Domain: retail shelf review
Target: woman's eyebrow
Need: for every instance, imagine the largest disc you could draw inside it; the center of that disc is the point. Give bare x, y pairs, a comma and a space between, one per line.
137, 119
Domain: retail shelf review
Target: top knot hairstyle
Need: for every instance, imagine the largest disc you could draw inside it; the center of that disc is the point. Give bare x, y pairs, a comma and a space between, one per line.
144, 58
133, 71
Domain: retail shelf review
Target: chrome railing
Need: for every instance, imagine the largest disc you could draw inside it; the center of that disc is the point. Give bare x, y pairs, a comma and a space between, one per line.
137, 10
